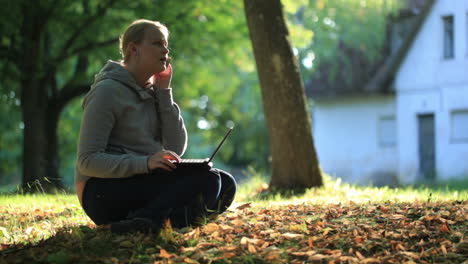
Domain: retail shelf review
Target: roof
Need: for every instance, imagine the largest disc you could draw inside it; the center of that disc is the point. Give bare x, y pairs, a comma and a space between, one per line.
362, 77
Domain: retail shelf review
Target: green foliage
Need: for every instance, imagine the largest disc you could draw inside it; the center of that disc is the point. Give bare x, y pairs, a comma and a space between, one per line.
357, 24
10, 137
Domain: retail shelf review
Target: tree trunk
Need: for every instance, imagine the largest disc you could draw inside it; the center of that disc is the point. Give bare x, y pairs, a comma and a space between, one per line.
35, 141
294, 160
33, 105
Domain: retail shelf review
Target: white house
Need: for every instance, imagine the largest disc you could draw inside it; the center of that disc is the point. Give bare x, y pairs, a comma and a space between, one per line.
410, 121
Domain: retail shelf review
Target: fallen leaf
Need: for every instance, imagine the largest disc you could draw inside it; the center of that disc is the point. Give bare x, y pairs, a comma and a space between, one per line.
251, 248
210, 228
229, 255
304, 254
191, 261
310, 242
396, 216
228, 248
317, 257
358, 239
126, 244
187, 249
383, 208
226, 227
164, 254
444, 250
244, 240
206, 245
237, 222
246, 205
264, 211
298, 228
410, 254
272, 255
399, 246
444, 228
292, 236
359, 255
370, 260
193, 234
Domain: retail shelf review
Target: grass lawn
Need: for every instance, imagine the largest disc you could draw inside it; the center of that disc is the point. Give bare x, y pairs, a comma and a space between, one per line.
338, 223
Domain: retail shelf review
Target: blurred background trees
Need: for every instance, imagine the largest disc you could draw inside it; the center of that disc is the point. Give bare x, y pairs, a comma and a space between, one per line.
50, 51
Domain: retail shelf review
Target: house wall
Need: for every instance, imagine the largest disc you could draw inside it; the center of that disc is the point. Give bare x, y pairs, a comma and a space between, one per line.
347, 139
428, 83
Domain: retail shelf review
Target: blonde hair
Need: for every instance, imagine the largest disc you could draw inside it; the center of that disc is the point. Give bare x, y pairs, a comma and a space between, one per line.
135, 32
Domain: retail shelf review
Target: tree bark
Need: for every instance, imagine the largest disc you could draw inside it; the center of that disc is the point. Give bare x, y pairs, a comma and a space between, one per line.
294, 159
40, 159
33, 104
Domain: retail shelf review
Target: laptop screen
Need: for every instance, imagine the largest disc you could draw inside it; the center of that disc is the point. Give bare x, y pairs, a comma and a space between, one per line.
220, 144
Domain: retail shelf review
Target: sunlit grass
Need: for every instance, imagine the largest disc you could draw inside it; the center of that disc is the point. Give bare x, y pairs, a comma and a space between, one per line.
33, 217
336, 191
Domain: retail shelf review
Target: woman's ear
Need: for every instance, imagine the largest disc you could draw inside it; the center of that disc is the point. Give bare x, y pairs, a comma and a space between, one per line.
133, 49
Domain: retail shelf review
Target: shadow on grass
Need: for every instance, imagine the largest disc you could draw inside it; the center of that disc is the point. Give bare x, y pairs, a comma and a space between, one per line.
82, 244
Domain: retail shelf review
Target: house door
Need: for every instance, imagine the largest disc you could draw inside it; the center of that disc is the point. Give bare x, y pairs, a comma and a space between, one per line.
426, 146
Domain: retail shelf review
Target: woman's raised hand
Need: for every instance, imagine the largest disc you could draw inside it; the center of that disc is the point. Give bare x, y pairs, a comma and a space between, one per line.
163, 79
163, 160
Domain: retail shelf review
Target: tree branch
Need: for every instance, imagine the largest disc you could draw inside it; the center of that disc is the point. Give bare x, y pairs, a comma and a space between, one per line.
100, 12
72, 92
85, 48
74, 87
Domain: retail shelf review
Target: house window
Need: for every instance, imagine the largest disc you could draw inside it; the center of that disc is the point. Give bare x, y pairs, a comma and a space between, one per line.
387, 131
459, 126
448, 37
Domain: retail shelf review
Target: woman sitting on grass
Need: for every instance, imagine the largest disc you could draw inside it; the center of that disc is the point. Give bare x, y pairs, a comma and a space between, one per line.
132, 136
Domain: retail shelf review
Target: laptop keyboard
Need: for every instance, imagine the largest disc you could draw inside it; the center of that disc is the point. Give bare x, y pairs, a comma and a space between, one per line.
193, 160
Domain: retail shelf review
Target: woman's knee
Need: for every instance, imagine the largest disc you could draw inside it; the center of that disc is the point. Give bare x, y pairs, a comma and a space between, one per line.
228, 182
228, 190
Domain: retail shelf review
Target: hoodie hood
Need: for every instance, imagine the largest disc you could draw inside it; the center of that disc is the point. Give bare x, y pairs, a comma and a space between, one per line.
115, 71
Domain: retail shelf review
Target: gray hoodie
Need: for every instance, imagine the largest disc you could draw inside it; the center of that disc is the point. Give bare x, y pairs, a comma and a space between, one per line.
123, 124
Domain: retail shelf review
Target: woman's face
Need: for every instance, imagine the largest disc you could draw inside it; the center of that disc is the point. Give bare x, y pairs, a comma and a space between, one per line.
153, 51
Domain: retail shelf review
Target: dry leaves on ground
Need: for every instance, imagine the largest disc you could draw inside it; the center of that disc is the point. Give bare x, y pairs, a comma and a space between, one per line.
352, 233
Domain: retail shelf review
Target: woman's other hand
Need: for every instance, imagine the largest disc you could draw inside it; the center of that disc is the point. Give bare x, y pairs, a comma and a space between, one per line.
164, 160
163, 79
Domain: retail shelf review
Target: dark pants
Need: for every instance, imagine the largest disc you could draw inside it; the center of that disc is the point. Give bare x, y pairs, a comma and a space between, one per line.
183, 196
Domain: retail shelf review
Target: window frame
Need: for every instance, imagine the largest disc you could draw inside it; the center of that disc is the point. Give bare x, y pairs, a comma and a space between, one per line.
448, 37
380, 142
452, 138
